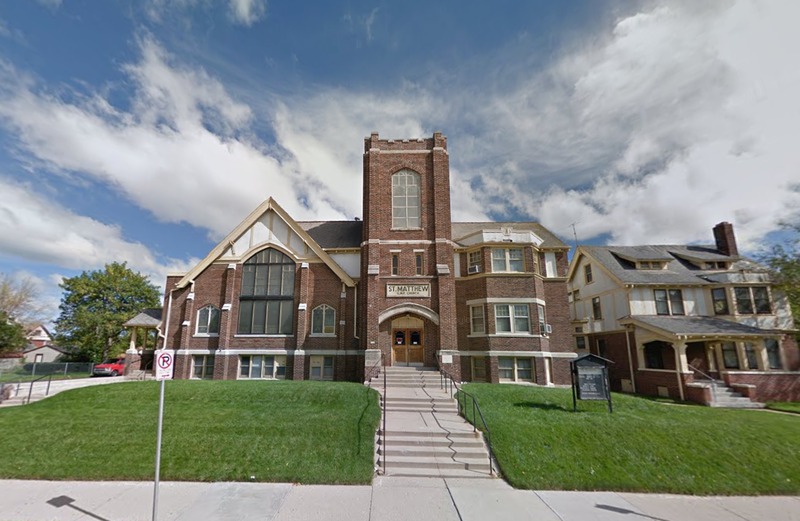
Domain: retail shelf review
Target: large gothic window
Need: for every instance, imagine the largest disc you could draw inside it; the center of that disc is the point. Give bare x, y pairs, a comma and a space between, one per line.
266, 302
405, 200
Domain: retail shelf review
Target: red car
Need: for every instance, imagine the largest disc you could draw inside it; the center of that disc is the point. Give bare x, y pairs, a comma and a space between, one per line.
110, 367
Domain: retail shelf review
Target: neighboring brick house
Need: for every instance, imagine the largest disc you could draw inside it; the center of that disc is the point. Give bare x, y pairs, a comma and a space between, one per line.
278, 298
39, 336
672, 317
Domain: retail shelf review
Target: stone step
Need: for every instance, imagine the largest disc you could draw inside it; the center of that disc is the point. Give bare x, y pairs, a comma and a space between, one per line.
417, 451
431, 434
427, 441
438, 473
394, 463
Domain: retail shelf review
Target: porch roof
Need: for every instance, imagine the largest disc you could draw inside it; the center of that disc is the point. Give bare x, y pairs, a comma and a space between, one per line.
696, 326
150, 317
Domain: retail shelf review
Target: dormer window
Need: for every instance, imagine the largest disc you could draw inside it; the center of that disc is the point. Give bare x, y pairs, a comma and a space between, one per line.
719, 265
651, 265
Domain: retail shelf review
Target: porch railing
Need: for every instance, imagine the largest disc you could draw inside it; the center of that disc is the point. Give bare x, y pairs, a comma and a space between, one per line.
463, 399
376, 370
713, 381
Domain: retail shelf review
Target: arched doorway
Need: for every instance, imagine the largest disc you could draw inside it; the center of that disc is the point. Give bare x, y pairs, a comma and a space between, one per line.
408, 340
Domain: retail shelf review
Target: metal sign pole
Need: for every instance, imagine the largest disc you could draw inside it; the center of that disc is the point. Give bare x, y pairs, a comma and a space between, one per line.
158, 451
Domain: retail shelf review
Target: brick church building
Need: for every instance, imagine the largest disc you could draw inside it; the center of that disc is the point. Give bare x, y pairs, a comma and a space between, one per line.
279, 298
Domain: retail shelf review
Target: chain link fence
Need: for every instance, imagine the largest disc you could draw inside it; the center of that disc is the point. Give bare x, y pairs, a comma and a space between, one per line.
61, 370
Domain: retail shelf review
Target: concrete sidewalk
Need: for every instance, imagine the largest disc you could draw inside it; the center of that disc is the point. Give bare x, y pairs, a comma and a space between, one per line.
388, 498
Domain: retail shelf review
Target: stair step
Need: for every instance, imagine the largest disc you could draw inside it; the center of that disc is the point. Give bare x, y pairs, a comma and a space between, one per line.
427, 441
438, 473
431, 434
481, 464
414, 451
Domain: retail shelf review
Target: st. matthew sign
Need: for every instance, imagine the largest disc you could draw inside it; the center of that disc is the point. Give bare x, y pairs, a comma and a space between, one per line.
408, 290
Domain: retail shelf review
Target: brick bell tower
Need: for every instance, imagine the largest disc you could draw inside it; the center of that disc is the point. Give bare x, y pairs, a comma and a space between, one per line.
407, 287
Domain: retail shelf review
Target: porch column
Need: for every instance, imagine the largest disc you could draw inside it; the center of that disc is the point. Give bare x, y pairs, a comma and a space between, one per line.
681, 364
761, 353
132, 346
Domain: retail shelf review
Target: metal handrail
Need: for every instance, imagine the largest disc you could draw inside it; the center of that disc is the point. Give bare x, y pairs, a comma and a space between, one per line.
30, 388
713, 381
447, 382
376, 365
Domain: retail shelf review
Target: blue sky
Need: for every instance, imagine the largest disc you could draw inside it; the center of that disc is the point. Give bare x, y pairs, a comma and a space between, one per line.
144, 131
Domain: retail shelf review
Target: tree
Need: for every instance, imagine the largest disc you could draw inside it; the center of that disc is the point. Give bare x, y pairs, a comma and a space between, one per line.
783, 261
94, 306
12, 334
19, 300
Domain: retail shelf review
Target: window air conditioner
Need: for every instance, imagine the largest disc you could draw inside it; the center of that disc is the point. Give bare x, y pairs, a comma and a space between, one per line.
475, 269
548, 328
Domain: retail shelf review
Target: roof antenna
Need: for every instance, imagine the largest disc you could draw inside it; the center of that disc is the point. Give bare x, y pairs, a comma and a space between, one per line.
575, 234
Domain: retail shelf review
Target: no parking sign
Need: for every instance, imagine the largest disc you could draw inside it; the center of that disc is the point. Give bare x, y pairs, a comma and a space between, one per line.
165, 364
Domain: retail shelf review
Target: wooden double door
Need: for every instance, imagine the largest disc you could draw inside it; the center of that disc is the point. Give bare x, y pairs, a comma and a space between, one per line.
407, 346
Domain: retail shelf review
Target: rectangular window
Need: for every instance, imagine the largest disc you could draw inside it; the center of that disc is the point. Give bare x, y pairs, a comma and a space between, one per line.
542, 321
669, 301
744, 304
321, 368
761, 300
773, 353
418, 261
719, 298
395, 264
751, 355
474, 261
512, 369
507, 260
580, 342
730, 358
478, 369
512, 318
477, 323
597, 311
262, 367
587, 274
203, 366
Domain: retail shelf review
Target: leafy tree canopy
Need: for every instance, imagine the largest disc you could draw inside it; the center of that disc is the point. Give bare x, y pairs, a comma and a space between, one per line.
94, 306
784, 262
12, 334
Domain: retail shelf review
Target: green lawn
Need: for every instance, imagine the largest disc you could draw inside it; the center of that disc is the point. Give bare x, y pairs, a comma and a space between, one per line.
785, 406
643, 446
304, 432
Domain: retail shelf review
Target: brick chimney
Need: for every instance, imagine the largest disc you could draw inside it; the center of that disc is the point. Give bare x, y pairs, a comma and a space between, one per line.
725, 239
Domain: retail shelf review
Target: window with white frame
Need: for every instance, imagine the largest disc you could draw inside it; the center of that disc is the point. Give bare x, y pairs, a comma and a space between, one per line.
321, 368
262, 367
203, 366
542, 320
323, 320
419, 264
512, 318
752, 300
266, 302
405, 200
474, 261
507, 260
208, 321
669, 301
597, 310
476, 320
513, 369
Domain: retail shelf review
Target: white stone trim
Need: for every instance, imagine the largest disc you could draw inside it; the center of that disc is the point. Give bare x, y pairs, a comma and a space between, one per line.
505, 300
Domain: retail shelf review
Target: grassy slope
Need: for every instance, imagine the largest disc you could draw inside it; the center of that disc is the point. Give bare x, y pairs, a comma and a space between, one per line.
643, 446
785, 406
306, 432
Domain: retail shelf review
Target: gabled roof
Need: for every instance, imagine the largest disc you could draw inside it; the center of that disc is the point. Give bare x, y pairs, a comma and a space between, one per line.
40, 326
334, 234
268, 205
617, 262
150, 317
692, 326
30, 348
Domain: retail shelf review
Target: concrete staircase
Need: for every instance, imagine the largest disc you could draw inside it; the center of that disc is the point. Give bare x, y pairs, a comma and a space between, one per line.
425, 436
725, 397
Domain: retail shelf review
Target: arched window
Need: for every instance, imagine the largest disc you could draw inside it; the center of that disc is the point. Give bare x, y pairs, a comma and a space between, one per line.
266, 302
208, 321
405, 200
323, 320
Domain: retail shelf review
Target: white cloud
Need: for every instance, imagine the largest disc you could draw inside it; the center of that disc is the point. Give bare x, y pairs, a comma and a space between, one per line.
247, 12
34, 228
